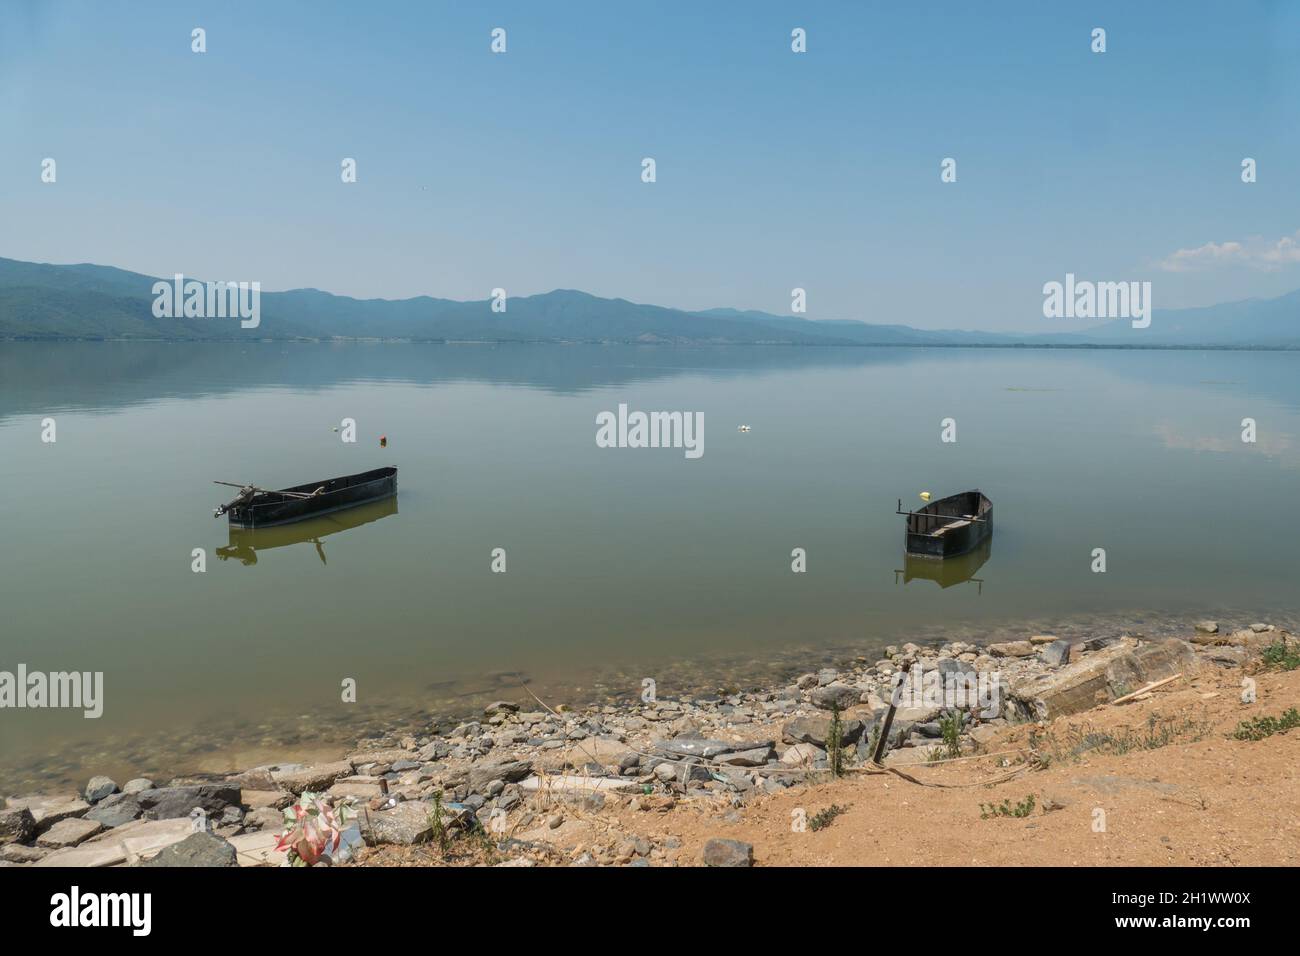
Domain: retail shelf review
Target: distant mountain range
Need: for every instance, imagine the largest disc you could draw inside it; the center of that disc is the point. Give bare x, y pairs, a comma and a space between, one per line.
90, 302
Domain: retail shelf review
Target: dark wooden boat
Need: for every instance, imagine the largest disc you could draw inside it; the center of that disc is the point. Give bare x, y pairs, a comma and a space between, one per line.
258, 508
950, 526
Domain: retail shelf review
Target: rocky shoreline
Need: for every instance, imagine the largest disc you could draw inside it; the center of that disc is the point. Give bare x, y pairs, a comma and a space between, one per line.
514, 775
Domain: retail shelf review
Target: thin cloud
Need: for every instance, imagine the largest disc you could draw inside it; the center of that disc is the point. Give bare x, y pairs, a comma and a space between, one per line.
1256, 253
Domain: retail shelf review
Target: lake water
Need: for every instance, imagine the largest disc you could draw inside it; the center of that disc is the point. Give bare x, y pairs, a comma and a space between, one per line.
621, 563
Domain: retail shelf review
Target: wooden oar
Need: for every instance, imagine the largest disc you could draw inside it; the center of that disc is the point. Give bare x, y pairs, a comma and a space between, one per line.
287, 494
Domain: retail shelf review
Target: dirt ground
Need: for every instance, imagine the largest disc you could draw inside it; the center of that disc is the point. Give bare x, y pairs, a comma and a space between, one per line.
1212, 801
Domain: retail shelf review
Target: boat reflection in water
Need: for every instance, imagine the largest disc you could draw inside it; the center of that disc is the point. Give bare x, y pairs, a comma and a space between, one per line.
948, 571
246, 542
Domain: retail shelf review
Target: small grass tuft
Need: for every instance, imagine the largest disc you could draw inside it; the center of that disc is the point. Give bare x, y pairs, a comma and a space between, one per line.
822, 818
1281, 656
1024, 808
1262, 727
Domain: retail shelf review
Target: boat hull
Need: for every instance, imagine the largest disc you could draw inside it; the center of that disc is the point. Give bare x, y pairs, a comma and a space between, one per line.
271, 508
950, 526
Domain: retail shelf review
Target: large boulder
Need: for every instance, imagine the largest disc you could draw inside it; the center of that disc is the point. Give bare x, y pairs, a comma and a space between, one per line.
802, 754
115, 810
166, 803
1055, 654
815, 730
17, 825
405, 824
835, 695
507, 771
1102, 677
197, 849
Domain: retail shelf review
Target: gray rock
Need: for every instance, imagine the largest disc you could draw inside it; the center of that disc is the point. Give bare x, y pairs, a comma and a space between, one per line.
405, 824
435, 750
689, 771
835, 695
197, 849
510, 771
728, 853
115, 810
1207, 627
948, 666
166, 803
137, 785
500, 707
814, 730
17, 825
1055, 654
98, 788
802, 754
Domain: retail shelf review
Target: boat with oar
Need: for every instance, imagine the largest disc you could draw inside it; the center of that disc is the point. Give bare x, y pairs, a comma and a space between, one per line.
950, 526
256, 507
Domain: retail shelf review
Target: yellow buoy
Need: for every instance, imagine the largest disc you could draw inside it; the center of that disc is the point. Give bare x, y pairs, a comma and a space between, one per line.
925, 496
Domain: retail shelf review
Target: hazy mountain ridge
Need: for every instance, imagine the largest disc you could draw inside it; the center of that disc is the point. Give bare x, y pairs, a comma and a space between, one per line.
85, 301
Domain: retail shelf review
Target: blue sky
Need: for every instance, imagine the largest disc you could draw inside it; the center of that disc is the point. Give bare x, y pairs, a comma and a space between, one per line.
775, 169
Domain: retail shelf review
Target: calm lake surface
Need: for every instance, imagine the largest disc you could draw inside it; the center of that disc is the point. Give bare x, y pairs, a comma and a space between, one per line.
621, 563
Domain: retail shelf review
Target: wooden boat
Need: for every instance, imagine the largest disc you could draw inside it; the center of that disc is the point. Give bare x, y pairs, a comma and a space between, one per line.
258, 508
950, 526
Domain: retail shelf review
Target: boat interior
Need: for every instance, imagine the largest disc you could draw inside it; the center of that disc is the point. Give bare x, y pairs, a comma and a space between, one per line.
948, 514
